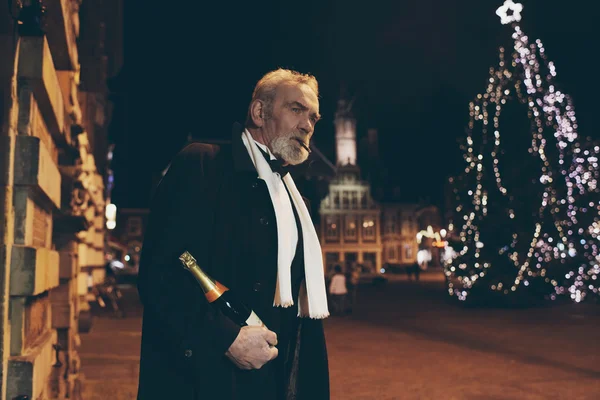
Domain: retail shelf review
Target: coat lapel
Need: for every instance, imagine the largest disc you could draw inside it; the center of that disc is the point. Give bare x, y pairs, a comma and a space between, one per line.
241, 158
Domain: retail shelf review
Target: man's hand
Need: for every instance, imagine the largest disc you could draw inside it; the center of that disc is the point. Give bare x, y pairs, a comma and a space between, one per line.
253, 347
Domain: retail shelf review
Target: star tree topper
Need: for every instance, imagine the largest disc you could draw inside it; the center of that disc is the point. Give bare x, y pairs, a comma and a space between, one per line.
514, 15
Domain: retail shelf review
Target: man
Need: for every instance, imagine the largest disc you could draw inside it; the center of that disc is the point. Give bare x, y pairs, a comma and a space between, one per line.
237, 211
338, 290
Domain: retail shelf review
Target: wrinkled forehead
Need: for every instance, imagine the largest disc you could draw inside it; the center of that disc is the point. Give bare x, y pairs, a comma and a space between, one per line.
302, 93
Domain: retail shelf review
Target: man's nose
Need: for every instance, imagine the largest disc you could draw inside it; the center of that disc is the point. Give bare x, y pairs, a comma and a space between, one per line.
306, 126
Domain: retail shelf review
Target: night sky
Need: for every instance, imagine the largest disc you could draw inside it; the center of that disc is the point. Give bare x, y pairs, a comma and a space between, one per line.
412, 66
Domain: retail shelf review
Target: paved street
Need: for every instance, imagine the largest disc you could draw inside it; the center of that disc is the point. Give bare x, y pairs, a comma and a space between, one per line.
110, 353
408, 340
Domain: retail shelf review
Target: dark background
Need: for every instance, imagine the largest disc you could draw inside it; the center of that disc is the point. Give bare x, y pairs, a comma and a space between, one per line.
412, 66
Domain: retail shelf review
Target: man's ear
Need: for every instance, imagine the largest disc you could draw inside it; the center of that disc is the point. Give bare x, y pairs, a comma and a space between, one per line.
257, 113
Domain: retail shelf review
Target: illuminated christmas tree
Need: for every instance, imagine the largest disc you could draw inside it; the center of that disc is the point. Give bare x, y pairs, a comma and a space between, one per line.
529, 196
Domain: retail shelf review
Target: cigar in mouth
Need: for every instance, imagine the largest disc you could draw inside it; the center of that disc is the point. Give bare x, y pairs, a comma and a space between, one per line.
303, 145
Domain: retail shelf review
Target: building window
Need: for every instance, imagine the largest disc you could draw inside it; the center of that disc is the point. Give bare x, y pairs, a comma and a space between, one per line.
345, 200
391, 224
350, 261
351, 228
407, 226
369, 229
331, 260
369, 262
134, 226
332, 231
336, 199
391, 252
408, 252
354, 200
363, 199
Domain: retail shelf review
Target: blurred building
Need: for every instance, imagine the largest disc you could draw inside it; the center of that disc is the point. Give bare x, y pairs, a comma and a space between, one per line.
125, 241
53, 117
399, 232
361, 222
350, 219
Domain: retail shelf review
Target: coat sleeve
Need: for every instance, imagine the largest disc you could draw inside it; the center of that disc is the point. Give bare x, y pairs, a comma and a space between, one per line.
180, 220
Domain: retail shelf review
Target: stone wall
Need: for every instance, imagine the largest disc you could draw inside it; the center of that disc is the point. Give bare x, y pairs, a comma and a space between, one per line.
52, 196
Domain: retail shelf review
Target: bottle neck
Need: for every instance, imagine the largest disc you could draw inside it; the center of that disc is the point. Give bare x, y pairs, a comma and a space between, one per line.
212, 289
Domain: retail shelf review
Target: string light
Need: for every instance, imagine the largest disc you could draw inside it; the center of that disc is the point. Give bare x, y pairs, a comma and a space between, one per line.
561, 249
509, 12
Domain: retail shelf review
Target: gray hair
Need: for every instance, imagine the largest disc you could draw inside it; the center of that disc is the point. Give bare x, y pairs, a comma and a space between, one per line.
266, 88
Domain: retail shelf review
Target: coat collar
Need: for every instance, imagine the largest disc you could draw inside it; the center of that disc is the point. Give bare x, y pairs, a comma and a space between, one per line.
241, 158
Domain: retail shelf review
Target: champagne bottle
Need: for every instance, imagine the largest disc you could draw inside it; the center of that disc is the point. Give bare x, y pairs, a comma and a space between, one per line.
219, 295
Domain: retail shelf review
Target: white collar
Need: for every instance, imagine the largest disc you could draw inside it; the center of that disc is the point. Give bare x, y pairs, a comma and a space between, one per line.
265, 149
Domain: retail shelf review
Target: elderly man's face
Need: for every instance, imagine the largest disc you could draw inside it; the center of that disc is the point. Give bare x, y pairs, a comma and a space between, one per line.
292, 123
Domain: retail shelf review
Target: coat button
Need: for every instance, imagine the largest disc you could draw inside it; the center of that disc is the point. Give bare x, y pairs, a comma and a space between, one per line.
254, 184
256, 287
264, 221
188, 353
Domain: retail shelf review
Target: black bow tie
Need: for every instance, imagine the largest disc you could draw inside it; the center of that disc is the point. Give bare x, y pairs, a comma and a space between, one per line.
276, 164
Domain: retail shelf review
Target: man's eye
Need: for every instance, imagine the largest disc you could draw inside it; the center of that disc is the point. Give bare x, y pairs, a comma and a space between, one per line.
296, 110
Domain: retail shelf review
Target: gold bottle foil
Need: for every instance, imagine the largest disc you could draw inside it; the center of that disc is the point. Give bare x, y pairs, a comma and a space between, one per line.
212, 289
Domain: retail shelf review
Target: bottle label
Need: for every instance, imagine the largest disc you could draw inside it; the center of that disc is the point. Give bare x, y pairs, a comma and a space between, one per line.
253, 320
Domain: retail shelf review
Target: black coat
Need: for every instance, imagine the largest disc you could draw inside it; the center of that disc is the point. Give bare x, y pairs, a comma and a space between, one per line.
212, 204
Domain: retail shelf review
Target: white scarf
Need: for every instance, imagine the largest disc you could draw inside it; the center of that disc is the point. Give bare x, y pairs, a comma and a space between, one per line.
312, 300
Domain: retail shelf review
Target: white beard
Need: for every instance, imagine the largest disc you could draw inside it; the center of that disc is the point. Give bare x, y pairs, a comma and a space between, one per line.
288, 150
